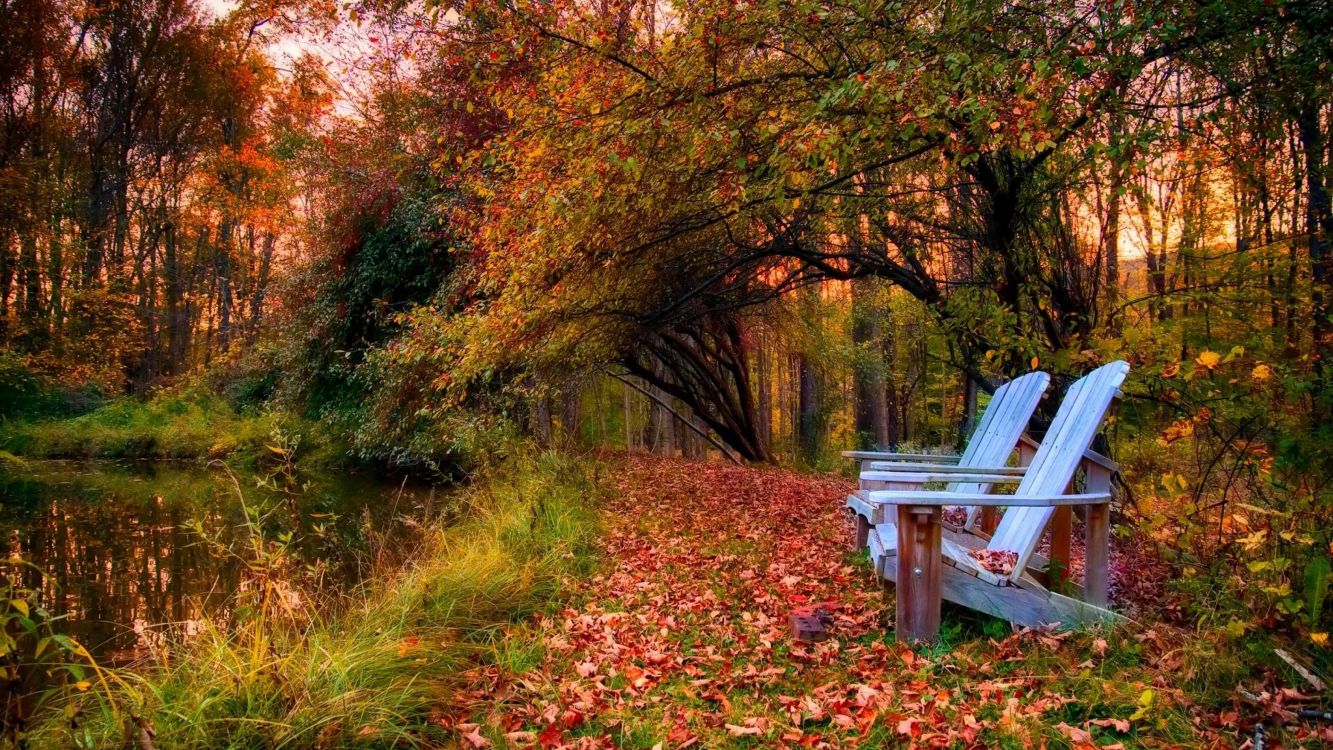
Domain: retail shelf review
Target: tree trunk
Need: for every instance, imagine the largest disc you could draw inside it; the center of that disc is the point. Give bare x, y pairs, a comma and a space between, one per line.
55, 275
706, 366
871, 405
571, 412
1293, 261
7, 272
222, 270
178, 322
807, 424
629, 417
1111, 245
892, 399
30, 280
261, 284
764, 384
968, 419
1318, 227
542, 425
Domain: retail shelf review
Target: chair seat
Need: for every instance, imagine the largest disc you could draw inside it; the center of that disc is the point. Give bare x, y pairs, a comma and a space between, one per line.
954, 547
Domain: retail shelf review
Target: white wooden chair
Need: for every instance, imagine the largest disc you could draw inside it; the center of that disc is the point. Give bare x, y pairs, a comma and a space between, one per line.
987, 453
908, 546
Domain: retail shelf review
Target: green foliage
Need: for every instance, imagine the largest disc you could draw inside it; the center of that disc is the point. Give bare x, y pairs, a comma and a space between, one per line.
397, 257
371, 670
181, 425
27, 393
1222, 453
247, 380
343, 367
41, 666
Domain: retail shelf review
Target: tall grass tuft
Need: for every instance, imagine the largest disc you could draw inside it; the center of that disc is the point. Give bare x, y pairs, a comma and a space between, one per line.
372, 670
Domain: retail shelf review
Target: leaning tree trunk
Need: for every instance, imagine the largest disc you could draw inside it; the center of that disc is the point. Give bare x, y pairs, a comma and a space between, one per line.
705, 366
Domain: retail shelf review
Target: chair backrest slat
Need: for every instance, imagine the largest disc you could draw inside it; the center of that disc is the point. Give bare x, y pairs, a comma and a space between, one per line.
1071, 433
1005, 421
979, 442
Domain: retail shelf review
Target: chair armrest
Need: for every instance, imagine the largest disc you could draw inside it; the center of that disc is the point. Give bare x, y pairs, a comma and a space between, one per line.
875, 513
886, 456
946, 469
911, 497
939, 476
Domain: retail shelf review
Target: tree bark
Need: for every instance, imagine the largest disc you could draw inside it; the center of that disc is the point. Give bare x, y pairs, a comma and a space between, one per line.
807, 410
871, 407
764, 385
706, 367
1318, 227
968, 419
571, 412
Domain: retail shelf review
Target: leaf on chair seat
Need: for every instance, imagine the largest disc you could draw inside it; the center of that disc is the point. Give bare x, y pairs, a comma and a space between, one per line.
998, 561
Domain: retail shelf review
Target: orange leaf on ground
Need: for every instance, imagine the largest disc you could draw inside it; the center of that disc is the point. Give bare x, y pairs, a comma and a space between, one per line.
998, 561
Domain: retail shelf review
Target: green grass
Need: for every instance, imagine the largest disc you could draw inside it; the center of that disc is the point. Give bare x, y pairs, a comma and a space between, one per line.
372, 674
173, 426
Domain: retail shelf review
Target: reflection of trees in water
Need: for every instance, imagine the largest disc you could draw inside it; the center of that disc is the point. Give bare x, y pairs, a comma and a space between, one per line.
126, 574
122, 565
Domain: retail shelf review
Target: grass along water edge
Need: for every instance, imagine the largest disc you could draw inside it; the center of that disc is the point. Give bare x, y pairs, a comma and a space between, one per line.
373, 673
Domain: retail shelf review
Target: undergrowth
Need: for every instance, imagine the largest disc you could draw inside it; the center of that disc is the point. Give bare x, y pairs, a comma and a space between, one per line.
371, 669
187, 425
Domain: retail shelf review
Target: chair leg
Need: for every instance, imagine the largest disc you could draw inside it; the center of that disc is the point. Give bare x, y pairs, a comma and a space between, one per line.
1097, 560
917, 587
862, 534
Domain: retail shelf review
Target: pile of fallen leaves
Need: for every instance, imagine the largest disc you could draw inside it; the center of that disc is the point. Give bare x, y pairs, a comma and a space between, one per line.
1001, 562
682, 640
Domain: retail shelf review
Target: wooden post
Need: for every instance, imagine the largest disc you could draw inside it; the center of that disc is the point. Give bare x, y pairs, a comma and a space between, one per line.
862, 533
919, 571
1062, 531
1061, 528
1027, 450
1097, 560
988, 519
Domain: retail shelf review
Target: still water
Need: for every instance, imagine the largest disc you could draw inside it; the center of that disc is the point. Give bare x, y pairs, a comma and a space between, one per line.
134, 556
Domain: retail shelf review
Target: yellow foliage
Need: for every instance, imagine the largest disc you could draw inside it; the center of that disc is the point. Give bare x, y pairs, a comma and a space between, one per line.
1253, 541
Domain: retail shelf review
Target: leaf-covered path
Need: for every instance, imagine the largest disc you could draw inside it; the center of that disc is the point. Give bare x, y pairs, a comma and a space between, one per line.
681, 639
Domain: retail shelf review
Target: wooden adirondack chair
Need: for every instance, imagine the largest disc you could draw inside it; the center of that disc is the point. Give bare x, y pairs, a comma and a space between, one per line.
926, 564
987, 453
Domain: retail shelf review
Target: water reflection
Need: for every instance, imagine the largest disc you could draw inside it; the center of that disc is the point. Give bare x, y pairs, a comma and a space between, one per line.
116, 555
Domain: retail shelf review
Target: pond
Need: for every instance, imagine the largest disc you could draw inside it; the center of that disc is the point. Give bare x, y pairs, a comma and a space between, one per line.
133, 556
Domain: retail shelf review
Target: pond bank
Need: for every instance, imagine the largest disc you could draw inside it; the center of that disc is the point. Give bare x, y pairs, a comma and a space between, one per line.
375, 674
187, 426
132, 555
